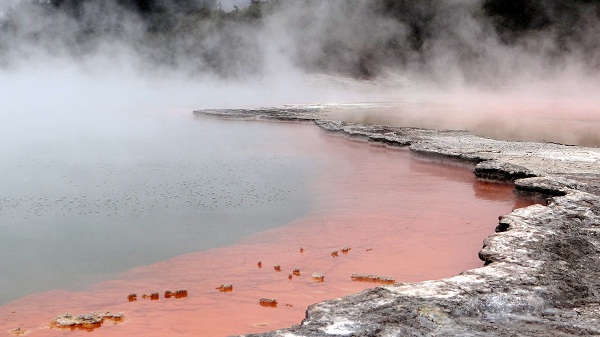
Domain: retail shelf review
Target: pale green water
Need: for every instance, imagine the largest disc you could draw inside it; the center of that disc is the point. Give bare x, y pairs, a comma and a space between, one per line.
80, 208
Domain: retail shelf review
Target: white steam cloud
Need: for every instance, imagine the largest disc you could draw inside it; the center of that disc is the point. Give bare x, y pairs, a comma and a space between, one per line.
449, 63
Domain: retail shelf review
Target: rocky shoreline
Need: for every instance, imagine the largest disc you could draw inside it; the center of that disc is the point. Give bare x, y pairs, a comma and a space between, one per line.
542, 266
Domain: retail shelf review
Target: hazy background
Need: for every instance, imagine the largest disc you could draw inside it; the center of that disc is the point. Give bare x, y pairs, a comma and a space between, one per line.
494, 67
486, 42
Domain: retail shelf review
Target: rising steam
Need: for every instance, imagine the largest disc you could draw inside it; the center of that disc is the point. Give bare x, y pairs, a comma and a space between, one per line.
473, 64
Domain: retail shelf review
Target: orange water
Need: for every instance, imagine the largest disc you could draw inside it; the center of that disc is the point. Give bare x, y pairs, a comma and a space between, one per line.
402, 216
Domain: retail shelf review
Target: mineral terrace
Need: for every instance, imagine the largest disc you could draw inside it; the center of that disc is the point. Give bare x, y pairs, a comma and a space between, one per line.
542, 266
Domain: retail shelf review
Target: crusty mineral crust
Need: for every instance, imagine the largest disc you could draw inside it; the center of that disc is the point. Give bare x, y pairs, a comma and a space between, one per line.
542, 273
86, 321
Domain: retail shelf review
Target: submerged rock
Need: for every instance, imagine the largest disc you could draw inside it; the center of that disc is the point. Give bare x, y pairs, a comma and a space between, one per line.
542, 266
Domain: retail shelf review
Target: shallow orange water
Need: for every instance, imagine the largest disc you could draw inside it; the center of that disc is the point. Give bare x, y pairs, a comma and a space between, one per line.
402, 216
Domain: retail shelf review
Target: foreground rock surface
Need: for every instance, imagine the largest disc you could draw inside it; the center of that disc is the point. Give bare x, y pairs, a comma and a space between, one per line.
542, 273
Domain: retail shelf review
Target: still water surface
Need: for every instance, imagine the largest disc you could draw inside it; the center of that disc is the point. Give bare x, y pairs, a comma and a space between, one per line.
79, 211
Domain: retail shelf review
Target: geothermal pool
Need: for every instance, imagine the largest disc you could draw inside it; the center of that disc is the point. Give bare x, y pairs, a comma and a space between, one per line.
202, 201
81, 211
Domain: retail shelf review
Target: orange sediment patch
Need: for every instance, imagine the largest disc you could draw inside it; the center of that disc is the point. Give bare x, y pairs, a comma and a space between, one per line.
180, 293
225, 288
153, 296
18, 331
268, 302
406, 219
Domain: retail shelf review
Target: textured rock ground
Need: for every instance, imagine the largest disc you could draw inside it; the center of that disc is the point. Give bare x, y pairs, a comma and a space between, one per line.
542, 266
